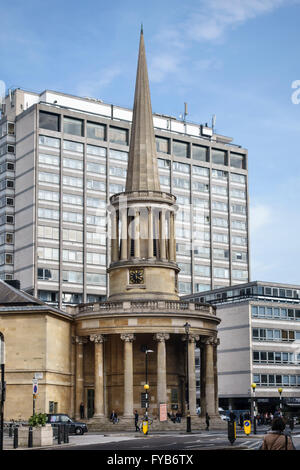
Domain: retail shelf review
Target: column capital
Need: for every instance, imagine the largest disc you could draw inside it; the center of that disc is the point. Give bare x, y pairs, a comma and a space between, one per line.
191, 338
97, 338
210, 340
161, 337
79, 339
127, 337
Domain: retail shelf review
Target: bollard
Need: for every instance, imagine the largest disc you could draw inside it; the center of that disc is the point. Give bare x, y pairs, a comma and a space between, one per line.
10, 431
30, 437
16, 437
59, 434
67, 434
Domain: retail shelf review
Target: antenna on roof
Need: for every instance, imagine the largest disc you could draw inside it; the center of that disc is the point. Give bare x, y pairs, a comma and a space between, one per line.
213, 122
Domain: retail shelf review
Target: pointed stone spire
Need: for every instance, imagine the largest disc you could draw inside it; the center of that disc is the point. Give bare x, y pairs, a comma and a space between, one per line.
142, 173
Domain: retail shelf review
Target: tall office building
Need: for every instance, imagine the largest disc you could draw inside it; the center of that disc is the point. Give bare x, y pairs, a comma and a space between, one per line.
62, 157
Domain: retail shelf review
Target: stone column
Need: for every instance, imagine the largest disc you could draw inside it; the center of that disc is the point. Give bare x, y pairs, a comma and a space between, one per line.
172, 246
161, 367
114, 237
128, 339
163, 234
192, 374
79, 387
210, 344
137, 244
98, 376
150, 233
124, 234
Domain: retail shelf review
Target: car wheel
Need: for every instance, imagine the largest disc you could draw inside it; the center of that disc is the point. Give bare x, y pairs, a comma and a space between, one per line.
78, 431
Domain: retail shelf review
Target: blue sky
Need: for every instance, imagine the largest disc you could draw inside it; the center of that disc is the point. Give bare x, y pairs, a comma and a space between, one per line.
233, 58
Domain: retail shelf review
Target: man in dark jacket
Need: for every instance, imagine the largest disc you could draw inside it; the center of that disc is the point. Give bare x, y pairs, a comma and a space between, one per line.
136, 420
207, 419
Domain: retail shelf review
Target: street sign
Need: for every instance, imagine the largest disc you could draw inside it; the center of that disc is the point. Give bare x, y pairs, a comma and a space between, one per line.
247, 426
35, 388
38, 375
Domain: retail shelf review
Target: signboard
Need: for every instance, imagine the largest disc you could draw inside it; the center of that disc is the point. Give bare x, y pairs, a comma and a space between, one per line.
35, 388
247, 426
38, 375
163, 416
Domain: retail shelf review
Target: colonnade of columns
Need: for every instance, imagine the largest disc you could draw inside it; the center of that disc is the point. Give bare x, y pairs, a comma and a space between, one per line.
158, 232
209, 394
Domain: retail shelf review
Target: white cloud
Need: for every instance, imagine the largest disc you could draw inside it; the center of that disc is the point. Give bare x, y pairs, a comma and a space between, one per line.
95, 84
210, 20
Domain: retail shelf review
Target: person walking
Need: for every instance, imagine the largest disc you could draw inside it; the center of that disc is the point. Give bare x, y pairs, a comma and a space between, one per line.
207, 419
276, 439
136, 420
81, 410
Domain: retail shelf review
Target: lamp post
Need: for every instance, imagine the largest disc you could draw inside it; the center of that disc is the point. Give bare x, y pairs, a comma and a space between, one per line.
146, 386
253, 386
280, 400
188, 417
2, 363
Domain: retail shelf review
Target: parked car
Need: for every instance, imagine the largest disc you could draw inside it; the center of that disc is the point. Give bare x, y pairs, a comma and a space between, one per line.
75, 427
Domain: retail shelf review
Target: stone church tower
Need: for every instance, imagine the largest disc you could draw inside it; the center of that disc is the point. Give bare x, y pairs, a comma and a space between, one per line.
144, 333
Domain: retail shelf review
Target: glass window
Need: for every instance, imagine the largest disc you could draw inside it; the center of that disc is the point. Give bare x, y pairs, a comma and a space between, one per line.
97, 151
49, 177
72, 256
180, 149
221, 190
95, 131
73, 126
237, 160
96, 258
73, 217
200, 187
94, 278
162, 163
96, 185
95, 202
254, 310
95, 238
73, 199
73, 235
47, 274
118, 171
221, 273
49, 121
72, 163
49, 159
162, 144
202, 270
72, 181
118, 155
221, 254
49, 141
236, 178
73, 276
181, 183
185, 268
96, 168
48, 232
70, 146
202, 251
48, 195
118, 135
219, 157
181, 167
200, 153
200, 171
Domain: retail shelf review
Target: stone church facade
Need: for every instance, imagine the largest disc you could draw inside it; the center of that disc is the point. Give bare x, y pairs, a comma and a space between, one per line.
102, 354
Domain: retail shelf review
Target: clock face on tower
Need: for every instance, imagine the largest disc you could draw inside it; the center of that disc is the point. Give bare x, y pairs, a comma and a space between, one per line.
136, 276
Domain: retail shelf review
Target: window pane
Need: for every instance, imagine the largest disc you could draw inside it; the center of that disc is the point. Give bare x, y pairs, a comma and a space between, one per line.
200, 153
237, 160
180, 149
119, 136
49, 121
219, 157
95, 131
73, 126
162, 145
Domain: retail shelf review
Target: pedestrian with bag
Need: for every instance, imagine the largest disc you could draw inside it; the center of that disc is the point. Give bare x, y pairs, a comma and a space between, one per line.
276, 439
136, 420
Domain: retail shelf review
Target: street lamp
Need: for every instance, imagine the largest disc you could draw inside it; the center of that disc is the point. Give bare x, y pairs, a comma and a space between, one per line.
253, 386
280, 400
2, 391
188, 417
146, 386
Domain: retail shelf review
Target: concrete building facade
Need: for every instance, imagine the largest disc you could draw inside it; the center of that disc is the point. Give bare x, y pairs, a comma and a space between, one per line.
259, 343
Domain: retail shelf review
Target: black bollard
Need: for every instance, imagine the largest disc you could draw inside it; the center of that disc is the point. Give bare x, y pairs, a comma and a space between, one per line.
10, 431
16, 437
67, 434
30, 437
59, 434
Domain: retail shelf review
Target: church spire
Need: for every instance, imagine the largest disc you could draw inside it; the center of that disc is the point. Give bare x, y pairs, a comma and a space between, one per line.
142, 171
